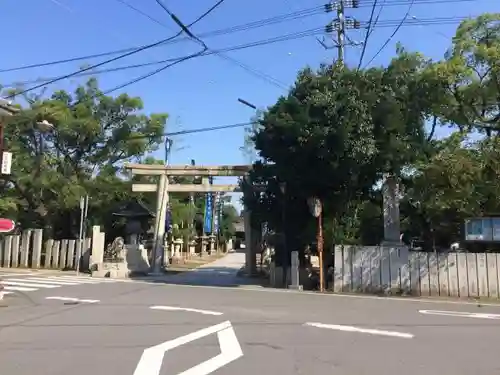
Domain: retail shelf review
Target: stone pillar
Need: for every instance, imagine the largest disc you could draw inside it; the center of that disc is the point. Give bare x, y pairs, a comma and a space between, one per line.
70, 260
63, 254
97, 252
250, 254
295, 272
7, 251
229, 245
25, 247
49, 244
37, 248
390, 196
16, 240
161, 215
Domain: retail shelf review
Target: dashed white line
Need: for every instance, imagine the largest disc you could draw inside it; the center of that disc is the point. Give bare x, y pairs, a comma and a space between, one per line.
188, 309
337, 327
461, 314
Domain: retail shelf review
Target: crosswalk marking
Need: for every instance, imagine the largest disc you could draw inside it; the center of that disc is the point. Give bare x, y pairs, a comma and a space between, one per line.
19, 288
21, 282
52, 280
36, 282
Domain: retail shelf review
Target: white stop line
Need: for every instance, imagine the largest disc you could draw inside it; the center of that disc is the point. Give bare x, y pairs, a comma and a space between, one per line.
460, 314
337, 327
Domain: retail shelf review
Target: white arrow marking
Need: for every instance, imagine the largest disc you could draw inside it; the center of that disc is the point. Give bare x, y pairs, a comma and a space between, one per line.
72, 299
152, 358
460, 314
336, 327
174, 308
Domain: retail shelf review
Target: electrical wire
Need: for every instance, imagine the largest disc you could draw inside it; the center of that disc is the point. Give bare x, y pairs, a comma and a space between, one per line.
258, 43
120, 57
248, 69
384, 2
393, 34
367, 34
229, 30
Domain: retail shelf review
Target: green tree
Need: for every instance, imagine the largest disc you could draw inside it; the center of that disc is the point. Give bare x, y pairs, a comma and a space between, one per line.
93, 135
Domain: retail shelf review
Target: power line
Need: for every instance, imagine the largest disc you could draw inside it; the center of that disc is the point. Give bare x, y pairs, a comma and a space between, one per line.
367, 34
120, 57
229, 30
393, 34
258, 43
252, 71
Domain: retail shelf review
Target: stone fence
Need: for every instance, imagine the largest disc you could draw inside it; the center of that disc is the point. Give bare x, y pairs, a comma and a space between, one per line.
30, 250
396, 270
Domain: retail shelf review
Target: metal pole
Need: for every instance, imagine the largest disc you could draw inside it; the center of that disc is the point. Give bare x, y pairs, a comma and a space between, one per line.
340, 32
80, 235
319, 240
1, 141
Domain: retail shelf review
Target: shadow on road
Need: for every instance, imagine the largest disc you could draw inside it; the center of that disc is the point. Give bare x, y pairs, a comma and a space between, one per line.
216, 276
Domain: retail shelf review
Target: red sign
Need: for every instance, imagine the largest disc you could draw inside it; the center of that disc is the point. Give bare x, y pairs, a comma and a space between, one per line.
6, 225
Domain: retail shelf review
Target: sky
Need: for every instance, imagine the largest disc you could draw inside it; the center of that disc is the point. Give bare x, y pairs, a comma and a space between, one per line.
203, 92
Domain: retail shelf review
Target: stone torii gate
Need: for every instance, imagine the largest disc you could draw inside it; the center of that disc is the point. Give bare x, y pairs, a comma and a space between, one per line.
163, 188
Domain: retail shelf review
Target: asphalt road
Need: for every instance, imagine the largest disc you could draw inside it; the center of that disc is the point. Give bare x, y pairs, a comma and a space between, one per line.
258, 331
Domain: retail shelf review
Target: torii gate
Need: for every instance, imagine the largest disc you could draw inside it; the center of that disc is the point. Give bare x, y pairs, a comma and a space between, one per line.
163, 188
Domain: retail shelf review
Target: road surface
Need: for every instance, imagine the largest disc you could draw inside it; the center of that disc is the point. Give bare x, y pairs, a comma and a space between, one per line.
106, 328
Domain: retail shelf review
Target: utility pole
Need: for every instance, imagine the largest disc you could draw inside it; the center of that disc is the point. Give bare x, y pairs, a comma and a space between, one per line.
340, 25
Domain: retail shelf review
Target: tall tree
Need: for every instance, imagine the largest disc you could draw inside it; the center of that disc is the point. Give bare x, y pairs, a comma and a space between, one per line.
92, 135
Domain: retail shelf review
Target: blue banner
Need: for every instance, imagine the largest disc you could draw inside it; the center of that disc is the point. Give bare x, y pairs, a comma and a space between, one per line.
168, 220
207, 228
217, 213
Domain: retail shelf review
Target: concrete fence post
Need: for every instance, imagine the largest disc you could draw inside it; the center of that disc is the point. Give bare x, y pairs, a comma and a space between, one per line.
56, 251
25, 247
37, 248
63, 254
70, 261
294, 272
47, 262
7, 251
16, 240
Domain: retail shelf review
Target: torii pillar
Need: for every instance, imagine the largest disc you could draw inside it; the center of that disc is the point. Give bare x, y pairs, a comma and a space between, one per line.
163, 188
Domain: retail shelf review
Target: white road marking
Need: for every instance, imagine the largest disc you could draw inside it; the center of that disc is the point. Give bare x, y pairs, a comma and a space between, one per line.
19, 289
174, 308
461, 314
15, 274
52, 280
21, 282
152, 358
337, 327
72, 299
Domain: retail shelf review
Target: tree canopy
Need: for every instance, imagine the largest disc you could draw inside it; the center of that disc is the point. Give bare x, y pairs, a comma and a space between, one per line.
82, 153
340, 129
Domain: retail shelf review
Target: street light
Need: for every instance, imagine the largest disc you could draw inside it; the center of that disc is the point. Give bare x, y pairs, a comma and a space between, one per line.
248, 104
316, 209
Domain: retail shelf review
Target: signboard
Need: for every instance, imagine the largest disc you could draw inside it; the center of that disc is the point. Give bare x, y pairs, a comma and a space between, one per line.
482, 229
6, 162
7, 225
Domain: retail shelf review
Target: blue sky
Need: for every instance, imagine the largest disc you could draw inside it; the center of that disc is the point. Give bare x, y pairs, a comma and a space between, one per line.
203, 92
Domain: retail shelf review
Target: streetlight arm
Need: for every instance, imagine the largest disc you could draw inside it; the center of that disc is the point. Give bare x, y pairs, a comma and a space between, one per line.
248, 104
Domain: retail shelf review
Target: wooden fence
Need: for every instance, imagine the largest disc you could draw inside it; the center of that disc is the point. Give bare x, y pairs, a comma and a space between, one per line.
29, 250
377, 269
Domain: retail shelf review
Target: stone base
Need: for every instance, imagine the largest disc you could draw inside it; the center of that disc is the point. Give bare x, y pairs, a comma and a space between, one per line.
296, 287
117, 270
